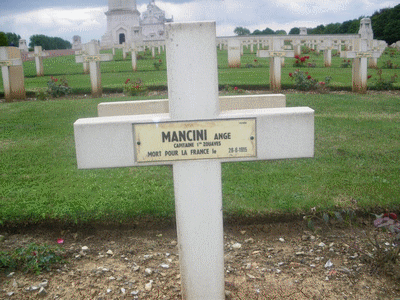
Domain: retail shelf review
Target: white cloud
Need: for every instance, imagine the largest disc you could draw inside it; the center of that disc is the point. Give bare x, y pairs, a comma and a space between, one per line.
57, 22
91, 23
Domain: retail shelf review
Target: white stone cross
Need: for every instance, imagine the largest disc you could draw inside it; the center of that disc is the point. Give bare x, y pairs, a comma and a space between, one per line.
161, 106
38, 55
195, 137
327, 46
234, 48
93, 57
79, 58
276, 54
360, 64
133, 49
12, 73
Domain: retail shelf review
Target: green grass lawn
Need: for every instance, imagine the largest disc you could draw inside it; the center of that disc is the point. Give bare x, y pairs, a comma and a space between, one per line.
356, 164
251, 75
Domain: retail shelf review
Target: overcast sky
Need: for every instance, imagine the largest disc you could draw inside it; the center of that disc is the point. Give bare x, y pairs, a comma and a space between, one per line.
86, 18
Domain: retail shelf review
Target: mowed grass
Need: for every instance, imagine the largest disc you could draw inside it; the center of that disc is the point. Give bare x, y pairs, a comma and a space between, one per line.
356, 165
252, 74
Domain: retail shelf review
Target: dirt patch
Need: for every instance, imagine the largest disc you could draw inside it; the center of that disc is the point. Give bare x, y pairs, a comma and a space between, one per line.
262, 261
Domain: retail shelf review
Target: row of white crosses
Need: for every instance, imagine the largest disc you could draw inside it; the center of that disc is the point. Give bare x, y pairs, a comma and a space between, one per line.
207, 136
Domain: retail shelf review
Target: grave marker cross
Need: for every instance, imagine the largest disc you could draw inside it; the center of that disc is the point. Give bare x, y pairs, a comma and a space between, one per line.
195, 137
276, 55
12, 73
38, 55
360, 64
93, 57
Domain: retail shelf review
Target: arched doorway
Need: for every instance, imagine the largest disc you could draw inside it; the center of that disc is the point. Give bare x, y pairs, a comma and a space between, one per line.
121, 38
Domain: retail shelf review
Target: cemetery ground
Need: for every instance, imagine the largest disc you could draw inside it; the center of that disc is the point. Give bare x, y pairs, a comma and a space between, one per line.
117, 225
271, 252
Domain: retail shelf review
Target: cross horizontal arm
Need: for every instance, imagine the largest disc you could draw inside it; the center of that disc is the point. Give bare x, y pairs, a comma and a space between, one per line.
273, 53
11, 62
108, 142
119, 108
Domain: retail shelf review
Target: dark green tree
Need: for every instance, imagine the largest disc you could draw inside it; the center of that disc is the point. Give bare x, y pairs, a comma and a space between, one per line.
281, 32
294, 30
3, 39
386, 24
267, 31
241, 31
49, 43
13, 39
332, 28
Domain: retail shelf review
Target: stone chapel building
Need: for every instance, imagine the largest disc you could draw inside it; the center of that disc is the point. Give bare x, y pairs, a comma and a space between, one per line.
124, 23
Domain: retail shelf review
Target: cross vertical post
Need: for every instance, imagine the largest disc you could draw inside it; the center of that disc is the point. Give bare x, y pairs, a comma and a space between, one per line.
133, 50
234, 53
198, 199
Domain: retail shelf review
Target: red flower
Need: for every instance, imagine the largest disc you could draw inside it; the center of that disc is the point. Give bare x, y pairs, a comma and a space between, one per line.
303, 59
60, 241
255, 60
348, 61
307, 57
393, 216
309, 77
369, 76
159, 60
127, 81
297, 57
297, 61
34, 253
55, 79
290, 75
322, 83
235, 88
137, 87
306, 73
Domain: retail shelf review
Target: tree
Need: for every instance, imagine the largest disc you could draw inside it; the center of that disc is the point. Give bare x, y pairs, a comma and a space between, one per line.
49, 43
13, 39
3, 39
332, 28
241, 31
280, 32
294, 30
386, 24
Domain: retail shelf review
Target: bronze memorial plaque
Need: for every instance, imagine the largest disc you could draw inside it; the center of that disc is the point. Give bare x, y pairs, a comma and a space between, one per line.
169, 141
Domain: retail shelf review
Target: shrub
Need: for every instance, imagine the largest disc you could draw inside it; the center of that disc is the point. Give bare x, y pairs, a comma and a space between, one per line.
300, 61
346, 63
383, 83
389, 65
134, 88
305, 82
158, 64
233, 90
42, 95
58, 88
32, 258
